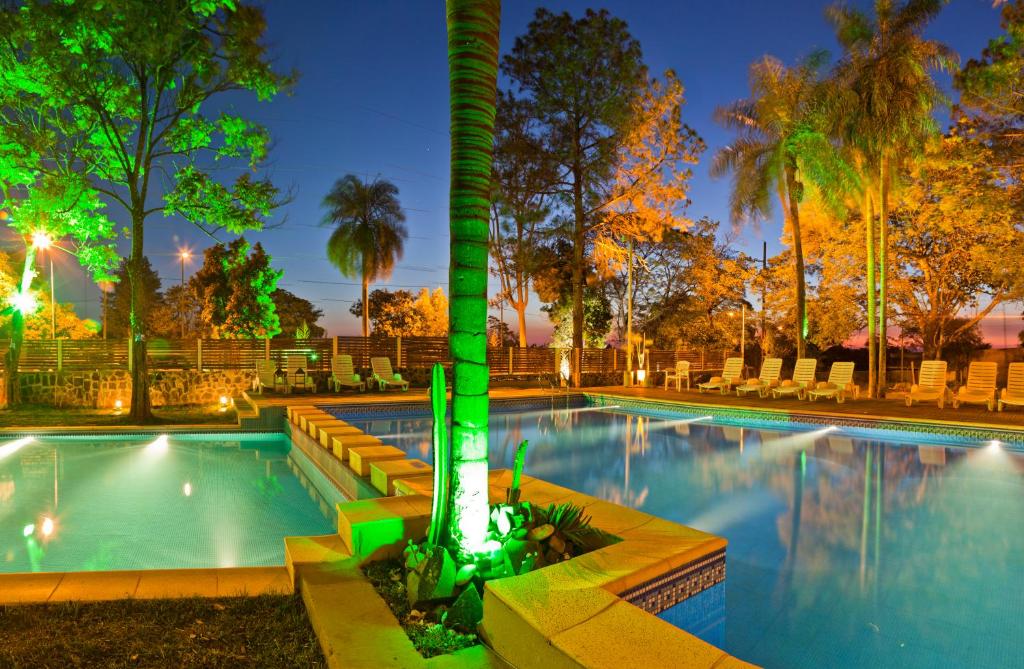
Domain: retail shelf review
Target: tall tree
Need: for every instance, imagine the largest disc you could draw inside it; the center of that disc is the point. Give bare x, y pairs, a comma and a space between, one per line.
473, 28
885, 102
580, 78
148, 299
370, 233
777, 128
523, 177
136, 79
294, 311
234, 288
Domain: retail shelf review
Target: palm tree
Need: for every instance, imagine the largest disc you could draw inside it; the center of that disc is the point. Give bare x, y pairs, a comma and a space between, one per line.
370, 233
885, 118
473, 71
775, 127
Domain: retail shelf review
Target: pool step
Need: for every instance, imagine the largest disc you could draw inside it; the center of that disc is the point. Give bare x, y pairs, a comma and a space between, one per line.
361, 457
383, 474
341, 444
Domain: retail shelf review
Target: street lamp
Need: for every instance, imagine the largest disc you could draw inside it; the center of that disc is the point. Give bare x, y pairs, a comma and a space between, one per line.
41, 241
183, 255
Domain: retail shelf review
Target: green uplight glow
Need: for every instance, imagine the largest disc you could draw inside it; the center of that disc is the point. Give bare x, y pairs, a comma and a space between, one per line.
26, 303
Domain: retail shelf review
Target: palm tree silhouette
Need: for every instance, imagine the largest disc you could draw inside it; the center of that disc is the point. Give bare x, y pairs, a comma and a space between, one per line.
370, 233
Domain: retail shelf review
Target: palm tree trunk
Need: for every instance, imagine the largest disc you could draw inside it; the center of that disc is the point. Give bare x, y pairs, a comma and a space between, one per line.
473, 70
798, 261
869, 259
366, 306
883, 271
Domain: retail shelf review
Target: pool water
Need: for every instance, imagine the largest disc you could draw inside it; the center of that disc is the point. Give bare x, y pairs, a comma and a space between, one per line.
845, 550
77, 504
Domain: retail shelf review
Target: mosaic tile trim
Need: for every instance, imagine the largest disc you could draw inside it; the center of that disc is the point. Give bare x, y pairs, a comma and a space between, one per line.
420, 409
937, 433
679, 584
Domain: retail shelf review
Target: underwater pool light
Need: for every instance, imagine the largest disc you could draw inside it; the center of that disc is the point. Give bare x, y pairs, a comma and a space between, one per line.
994, 446
12, 447
28, 530
48, 526
158, 446
187, 489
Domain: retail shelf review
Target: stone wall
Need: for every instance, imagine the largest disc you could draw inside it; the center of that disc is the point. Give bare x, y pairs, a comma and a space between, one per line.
101, 389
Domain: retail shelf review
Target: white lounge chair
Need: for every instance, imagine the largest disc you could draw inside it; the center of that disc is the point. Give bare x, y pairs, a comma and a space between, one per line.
267, 376
343, 375
765, 381
1013, 393
803, 378
839, 385
931, 384
732, 372
294, 364
680, 373
385, 376
981, 386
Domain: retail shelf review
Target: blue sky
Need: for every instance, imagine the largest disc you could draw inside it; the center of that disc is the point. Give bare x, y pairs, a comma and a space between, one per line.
373, 100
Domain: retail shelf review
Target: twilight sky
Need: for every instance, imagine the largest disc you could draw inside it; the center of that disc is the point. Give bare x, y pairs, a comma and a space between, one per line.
373, 100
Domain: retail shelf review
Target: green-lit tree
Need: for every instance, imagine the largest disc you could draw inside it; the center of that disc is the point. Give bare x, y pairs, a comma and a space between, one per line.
136, 79
370, 233
884, 98
234, 289
473, 27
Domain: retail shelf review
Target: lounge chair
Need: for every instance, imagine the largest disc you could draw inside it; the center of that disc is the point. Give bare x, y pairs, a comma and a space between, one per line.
267, 376
342, 374
680, 373
931, 384
732, 371
981, 386
1013, 393
803, 378
766, 380
385, 376
294, 364
839, 385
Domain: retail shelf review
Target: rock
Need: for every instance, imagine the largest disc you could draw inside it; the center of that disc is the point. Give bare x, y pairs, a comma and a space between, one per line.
467, 611
557, 543
465, 574
433, 579
541, 533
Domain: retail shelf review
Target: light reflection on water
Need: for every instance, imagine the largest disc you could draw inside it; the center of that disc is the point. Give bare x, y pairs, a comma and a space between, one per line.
843, 551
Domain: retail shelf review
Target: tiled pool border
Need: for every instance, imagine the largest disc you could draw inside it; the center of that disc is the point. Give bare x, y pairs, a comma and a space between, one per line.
950, 434
678, 585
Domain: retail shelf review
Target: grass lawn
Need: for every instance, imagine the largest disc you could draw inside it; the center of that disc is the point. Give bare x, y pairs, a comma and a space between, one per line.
266, 631
48, 416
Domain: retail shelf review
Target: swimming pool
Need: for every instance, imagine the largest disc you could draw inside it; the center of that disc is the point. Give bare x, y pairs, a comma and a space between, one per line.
847, 547
153, 502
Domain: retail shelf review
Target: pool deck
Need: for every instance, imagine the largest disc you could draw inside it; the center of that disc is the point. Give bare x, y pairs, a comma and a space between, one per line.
97, 586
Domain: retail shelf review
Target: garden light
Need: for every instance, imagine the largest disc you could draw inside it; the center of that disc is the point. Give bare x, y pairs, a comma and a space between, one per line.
223, 403
118, 406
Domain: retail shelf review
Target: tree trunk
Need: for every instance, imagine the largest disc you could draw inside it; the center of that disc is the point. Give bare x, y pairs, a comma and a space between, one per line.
141, 410
578, 273
521, 315
883, 271
798, 261
13, 357
366, 306
869, 259
473, 71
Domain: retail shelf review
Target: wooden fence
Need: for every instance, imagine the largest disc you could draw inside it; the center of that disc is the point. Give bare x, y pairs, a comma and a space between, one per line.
404, 352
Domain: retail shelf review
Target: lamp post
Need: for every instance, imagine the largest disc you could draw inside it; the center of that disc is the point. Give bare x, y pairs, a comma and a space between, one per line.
183, 255
41, 241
